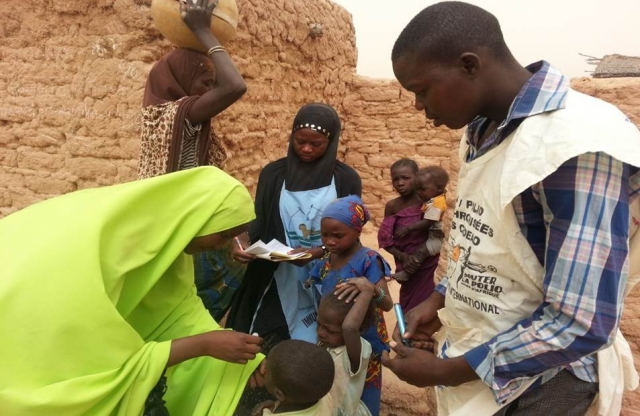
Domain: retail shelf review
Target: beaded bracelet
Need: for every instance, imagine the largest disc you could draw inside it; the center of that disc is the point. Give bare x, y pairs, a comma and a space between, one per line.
381, 296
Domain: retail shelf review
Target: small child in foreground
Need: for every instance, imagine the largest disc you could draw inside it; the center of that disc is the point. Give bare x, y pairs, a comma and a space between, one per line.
430, 185
299, 375
340, 324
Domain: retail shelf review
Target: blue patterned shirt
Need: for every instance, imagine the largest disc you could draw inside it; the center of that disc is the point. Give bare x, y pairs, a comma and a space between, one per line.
577, 222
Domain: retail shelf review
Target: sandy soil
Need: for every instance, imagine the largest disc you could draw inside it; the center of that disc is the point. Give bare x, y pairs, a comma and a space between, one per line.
398, 397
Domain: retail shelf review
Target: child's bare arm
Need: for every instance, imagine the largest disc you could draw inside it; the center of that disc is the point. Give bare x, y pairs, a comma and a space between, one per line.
386, 303
400, 255
391, 207
419, 226
421, 254
423, 225
353, 320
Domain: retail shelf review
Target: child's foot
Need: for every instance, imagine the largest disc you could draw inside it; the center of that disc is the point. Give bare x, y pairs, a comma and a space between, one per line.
401, 276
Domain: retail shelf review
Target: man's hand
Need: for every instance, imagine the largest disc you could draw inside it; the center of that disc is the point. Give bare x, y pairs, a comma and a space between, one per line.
418, 365
422, 321
422, 368
413, 365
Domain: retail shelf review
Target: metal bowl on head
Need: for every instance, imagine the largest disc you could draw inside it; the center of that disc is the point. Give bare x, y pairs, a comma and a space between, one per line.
167, 19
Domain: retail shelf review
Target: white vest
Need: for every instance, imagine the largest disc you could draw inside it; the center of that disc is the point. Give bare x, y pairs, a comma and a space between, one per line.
495, 278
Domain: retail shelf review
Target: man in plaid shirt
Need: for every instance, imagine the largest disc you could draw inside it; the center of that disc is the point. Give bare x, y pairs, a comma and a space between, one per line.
546, 183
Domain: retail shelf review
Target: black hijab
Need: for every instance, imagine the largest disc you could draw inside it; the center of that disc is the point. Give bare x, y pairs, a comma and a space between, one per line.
299, 176
304, 176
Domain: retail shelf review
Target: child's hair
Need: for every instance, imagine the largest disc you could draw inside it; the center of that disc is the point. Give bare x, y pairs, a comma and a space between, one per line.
442, 33
303, 371
438, 175
405, 163
332, 302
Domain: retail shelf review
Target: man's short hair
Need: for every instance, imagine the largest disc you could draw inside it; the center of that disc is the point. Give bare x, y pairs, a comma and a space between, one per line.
444, 31
303, 371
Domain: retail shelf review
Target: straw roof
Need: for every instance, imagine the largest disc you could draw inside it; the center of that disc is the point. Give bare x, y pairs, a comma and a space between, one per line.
617, 66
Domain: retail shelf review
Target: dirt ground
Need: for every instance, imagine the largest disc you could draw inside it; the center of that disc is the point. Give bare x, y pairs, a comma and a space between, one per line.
398, 397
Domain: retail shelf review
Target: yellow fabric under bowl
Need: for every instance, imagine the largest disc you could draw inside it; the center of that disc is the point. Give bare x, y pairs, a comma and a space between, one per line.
167, 18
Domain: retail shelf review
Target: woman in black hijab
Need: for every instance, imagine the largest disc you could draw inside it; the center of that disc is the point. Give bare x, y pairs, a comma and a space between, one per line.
292, 192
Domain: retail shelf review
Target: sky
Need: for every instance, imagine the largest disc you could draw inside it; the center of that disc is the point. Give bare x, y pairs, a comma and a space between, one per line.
553, 30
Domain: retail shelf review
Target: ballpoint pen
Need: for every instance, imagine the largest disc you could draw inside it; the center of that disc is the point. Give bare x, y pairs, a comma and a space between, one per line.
239, 243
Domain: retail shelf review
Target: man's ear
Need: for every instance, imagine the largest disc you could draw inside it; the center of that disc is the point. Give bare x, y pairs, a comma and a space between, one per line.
279, 395
471, 64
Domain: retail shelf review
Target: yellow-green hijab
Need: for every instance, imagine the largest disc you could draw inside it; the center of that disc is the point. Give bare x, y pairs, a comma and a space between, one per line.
94, 285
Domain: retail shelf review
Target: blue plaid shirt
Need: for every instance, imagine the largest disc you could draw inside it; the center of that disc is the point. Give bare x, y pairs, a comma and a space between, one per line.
577, 221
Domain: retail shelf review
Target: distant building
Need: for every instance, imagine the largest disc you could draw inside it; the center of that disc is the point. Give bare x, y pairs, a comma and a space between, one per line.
617, 66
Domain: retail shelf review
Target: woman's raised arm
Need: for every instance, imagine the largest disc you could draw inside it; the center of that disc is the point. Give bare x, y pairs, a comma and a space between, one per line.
228, 86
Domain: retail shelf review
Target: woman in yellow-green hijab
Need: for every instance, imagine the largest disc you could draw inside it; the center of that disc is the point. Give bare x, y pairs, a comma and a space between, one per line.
97, 300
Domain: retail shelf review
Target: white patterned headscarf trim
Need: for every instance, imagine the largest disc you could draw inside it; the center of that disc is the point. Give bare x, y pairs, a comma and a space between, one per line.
313, 127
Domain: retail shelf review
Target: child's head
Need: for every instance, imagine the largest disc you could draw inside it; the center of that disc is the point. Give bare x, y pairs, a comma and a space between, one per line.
448, 56
342, 222
299, 372
403, 172
431, 182
331, 315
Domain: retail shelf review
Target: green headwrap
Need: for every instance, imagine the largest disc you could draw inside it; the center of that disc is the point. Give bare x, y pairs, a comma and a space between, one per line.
94, 285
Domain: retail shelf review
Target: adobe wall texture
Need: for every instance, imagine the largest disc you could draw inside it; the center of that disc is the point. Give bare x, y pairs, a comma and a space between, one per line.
72, 76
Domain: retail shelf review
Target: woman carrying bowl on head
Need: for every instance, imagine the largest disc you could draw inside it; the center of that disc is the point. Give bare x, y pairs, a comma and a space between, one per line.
185, 89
